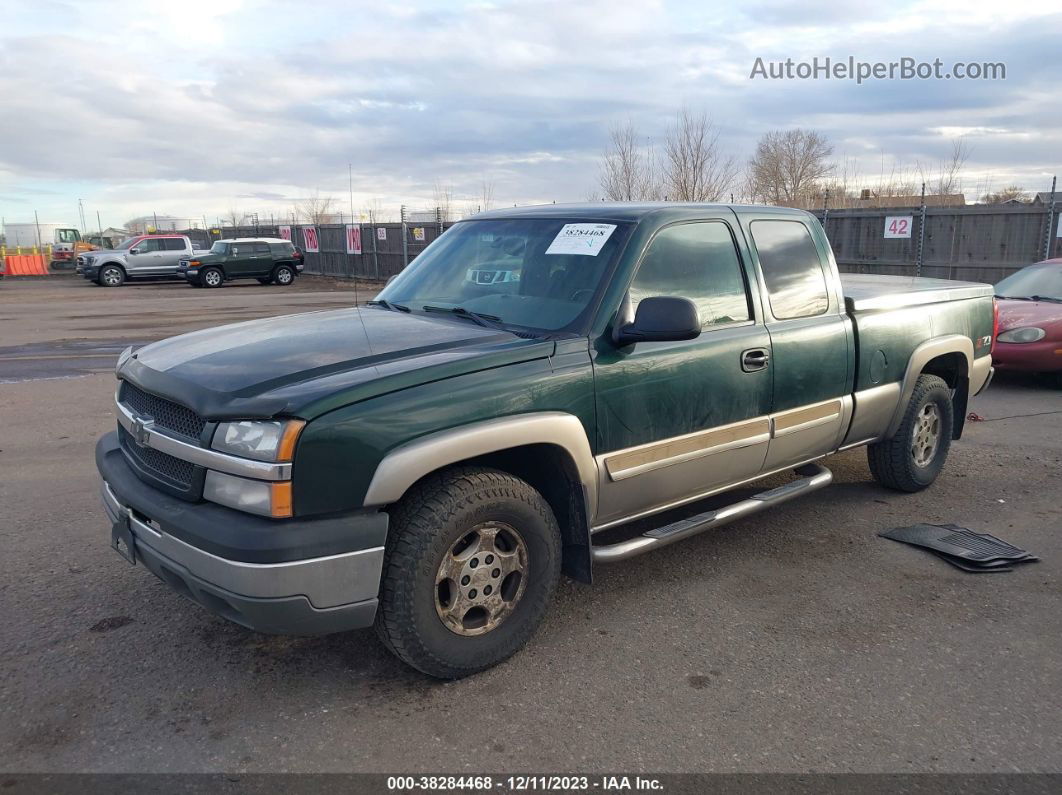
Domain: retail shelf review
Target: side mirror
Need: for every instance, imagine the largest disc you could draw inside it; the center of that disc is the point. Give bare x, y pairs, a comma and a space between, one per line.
134, 251
661, 319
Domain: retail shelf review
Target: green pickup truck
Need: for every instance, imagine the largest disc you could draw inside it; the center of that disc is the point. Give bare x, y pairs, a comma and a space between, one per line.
432, 462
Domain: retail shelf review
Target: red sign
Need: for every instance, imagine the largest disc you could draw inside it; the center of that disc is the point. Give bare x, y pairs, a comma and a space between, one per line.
309, 239
353, 239
285, 232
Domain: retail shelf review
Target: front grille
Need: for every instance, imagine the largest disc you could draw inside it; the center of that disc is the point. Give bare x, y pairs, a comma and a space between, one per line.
174, 470
166, 414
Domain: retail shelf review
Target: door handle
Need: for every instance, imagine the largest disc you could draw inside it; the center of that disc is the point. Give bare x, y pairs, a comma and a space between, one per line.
754, 359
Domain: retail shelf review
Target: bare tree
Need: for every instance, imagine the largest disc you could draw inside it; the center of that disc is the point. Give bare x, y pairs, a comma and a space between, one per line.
628, 170
695, 169
948, 177
443, 196
1009, 193
233, 217
789, 165
316, 209
486, 195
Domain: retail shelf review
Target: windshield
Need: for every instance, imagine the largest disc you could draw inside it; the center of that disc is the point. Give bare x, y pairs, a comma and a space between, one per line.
126, 243
1039, 281
219, 248
536, 273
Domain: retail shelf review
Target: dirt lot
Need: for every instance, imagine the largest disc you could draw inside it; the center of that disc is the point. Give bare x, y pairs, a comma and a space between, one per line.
795, 641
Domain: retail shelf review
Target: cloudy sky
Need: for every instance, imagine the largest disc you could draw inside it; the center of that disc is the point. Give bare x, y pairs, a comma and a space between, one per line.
198, 107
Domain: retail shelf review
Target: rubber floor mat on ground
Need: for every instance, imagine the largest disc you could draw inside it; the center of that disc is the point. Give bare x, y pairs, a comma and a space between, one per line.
961, 547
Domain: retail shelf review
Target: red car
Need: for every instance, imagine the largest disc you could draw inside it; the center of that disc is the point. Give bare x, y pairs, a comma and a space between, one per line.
1030, 319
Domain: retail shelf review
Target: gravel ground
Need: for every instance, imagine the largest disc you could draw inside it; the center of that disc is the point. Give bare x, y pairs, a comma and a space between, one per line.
794, 641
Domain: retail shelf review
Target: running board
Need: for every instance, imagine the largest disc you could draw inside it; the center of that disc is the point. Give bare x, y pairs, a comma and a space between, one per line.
814, 478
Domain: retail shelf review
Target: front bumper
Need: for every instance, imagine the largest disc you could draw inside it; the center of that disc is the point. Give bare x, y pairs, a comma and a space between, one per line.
291, 577
1032, 357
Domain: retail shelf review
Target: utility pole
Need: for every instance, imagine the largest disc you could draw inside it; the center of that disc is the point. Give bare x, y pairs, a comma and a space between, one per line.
350, 188
825, 208
1050, 218
99, 225
37, 223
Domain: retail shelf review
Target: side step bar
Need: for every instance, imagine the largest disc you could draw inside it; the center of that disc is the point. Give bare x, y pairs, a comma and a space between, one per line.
814, 478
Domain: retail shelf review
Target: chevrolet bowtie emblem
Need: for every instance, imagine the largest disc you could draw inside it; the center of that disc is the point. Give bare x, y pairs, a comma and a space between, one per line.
142, 430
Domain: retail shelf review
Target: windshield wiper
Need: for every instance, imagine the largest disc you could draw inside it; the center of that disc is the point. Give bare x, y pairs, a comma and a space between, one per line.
388, 305
1014, 297
1046, 298
489, 321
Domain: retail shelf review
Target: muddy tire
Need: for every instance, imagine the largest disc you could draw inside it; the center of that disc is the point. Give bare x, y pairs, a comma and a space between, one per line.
911, 460
472, 558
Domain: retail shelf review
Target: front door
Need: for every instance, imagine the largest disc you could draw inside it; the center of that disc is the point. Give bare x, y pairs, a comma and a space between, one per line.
147, 259
241, 260
677, 419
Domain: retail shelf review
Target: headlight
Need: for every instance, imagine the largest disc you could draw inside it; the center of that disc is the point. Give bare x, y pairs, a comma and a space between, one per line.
262, 440
253, 496
123, 357
1028, 334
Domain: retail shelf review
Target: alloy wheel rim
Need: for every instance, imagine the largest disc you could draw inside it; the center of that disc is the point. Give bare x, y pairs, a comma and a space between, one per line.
481, 579
926, 438
213, 279
284, 276
111, 276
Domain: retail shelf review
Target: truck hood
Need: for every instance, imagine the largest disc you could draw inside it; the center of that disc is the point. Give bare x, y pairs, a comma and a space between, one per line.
305, 364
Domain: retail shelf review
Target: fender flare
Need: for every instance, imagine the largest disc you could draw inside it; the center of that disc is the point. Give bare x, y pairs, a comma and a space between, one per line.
408, 463
922, 355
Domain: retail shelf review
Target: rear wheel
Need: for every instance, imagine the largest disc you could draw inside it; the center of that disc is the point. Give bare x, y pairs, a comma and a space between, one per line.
472, 558
283, 275
211, 277
111, 276
912, 459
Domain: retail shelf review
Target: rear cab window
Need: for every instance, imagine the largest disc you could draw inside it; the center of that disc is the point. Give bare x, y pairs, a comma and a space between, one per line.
792, 269
173, 244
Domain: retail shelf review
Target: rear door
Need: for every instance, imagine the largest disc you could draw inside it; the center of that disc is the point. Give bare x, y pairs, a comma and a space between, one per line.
263, 259
677, 419
173, 250
810, 340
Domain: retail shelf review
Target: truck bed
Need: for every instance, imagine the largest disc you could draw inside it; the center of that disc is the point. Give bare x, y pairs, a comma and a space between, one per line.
867, 292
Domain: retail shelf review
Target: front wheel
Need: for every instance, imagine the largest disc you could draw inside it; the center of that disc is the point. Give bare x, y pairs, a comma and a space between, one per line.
473, 556
111, 276
912, 459
211, 277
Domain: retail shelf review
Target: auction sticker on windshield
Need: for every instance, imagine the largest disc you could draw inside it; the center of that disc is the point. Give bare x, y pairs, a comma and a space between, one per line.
581, 239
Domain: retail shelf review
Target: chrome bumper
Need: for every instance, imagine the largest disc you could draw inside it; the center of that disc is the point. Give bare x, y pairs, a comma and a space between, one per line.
314, 596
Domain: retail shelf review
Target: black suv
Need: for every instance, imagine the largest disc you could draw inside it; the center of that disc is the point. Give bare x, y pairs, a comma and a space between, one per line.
268, 259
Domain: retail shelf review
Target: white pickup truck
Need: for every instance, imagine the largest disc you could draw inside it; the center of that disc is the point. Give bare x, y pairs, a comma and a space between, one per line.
140, 257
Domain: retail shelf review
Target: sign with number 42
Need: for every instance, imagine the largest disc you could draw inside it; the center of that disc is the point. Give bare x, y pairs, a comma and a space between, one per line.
898, 225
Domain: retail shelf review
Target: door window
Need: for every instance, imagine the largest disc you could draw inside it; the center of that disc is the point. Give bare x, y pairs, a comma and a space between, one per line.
698, 261
792, 269
261, 248
148, 246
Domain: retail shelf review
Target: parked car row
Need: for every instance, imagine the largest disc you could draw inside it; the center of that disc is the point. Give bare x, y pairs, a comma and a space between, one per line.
159, 257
